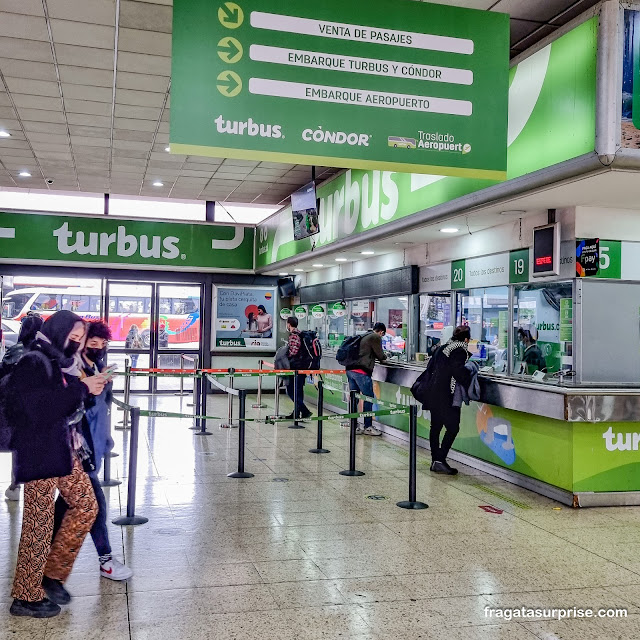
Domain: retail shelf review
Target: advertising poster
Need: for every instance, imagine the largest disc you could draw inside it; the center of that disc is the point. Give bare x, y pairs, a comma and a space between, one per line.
587, 257
631, 81
409, 86
244, 318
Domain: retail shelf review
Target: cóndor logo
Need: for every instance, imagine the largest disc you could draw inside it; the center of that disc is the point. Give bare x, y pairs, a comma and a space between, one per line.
126, 245
336, 137
248, 128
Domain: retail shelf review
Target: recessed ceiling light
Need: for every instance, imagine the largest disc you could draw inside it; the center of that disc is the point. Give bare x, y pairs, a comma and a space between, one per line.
24, 174
341, 260
284, 273
4, 134
299, 270
449, 230
367, 253
317, 265
167, 148
157, 183
513, 212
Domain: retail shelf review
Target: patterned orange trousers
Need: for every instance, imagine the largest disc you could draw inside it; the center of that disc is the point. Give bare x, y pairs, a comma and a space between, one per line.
37, 555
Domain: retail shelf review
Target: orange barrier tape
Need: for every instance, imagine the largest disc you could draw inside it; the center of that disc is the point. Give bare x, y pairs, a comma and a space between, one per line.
135, 370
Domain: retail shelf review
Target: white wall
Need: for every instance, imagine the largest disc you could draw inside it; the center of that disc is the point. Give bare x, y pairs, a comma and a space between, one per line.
608, 224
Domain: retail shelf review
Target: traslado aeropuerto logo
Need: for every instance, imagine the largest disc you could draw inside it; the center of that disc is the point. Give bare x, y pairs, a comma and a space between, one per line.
441, 142
248, 128
121, 243
336, 137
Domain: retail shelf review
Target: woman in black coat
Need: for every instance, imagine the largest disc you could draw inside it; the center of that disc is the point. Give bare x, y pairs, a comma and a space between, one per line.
44, 404
449, 370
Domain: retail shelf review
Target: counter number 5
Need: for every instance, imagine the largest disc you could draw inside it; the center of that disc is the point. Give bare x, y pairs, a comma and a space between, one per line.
605, 258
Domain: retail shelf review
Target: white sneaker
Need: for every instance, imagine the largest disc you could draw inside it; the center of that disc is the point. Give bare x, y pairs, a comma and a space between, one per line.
115, 570
372, 431
359, 430
12, 494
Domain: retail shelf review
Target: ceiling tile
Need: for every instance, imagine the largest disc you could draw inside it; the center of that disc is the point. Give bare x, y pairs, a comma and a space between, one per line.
41, 147
143, 63
86, 106
95, 153
33, 87
89, 120
44, 127
36, 102
82, 75
139, 41
132, 144
91, 132
89, 141
16, 25
142, 113
28, 69
84, 92
146, 16
140, 81
139, 98
521, 29
53, 138
73, 55
140, 136
25, 50
91, 11
8, 113
164, 127
86, 35
27, 7
135, 125
130, 153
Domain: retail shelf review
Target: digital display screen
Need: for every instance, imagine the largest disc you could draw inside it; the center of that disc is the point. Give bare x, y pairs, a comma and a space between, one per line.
545, 248
305, 212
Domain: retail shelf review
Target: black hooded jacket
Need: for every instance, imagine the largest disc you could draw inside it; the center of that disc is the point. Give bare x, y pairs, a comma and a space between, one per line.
40, 401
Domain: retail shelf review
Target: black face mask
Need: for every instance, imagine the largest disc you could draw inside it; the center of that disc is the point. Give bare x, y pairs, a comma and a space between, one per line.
71, 349
94, 354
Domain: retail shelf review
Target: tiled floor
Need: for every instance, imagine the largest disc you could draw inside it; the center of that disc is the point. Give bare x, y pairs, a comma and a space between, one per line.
300, 552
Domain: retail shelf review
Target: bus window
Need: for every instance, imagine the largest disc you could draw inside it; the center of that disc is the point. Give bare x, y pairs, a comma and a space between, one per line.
165, 305
47, 302
14, 303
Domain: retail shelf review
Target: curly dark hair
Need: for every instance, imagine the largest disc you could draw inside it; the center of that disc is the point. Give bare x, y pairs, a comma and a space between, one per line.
98, 329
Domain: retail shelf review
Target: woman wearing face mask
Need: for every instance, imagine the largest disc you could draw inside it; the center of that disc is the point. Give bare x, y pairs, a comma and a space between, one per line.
95, 426
45, 405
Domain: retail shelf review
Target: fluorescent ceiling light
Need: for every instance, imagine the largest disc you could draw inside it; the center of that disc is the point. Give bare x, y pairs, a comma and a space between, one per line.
4, 134
167, 149
341, 260
24, 174
284, 273
157, 183
317, 265
367, 253
449, 230
299, 270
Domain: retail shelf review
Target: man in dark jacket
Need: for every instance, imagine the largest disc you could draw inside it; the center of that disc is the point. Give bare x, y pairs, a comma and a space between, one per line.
359, 374
449, 371
299, 360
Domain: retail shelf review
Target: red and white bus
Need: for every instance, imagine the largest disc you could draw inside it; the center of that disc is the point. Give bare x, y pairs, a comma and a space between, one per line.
179, 312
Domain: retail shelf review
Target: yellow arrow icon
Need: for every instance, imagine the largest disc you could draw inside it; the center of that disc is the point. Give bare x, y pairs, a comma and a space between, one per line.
229, 84
230, 15
230, 50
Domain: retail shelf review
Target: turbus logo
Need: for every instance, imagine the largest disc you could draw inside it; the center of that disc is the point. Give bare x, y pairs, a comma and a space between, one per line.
621, 441
125, 244
249, 128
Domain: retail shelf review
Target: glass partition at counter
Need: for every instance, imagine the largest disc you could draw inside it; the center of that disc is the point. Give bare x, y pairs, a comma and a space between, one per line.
360, 317
486, 311
317, 321
435, 315
394, 313
543, 328
336, 324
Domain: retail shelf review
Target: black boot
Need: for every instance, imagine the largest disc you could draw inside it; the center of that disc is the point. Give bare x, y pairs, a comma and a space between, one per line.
55, 591
442, 467
40, 609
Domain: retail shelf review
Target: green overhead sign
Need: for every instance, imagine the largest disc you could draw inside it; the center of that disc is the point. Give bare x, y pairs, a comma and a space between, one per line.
37, 238
552, 98
392, 85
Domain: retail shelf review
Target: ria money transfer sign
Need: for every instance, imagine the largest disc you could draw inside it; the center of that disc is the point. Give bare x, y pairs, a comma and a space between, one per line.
390, 85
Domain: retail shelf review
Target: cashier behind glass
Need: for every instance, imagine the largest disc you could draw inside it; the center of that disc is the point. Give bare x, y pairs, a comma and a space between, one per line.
532, 357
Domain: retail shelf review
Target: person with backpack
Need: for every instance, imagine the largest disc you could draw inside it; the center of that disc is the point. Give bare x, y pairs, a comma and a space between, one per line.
446, 372
299, 359
44, 405
360, 371
29, 327
95, 427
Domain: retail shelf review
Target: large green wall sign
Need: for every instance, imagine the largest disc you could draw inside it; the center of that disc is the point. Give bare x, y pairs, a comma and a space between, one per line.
552, 98
36, 238
386, 85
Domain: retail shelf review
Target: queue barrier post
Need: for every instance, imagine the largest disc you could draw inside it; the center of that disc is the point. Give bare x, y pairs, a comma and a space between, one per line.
411, 503
107, 480
131, 518
296, 424
127, 393
241, 473
229, 424
258, 404
181, 392
276, 406
196, 363
353, 408
319, 448
200, 403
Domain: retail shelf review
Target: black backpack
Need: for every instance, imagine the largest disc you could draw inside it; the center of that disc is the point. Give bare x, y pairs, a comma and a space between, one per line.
348, 354
421, 388
11, 357
310, 351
